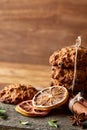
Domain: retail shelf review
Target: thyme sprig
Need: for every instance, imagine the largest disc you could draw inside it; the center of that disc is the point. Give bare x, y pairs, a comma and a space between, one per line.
3, 114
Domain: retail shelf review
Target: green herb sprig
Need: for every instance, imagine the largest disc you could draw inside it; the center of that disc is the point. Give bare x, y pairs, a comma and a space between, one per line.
24, 122
3, 114
53, 123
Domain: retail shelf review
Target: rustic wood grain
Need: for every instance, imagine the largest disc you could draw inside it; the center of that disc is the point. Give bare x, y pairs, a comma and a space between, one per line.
31, 30
36, 75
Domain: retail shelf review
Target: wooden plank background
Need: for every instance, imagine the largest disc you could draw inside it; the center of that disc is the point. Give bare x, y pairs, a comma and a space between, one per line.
36, 75
30, 30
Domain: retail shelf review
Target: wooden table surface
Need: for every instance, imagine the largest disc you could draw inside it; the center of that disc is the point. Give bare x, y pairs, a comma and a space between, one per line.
36, 75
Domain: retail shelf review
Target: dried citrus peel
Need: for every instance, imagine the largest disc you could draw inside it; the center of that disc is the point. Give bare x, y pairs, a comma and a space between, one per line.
50, 98
26, 108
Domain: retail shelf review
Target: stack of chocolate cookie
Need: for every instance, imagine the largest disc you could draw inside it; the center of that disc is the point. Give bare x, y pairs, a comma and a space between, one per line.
63, 68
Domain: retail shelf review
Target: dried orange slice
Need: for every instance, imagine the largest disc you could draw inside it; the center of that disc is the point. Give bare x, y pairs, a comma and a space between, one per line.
49, 98
26, 108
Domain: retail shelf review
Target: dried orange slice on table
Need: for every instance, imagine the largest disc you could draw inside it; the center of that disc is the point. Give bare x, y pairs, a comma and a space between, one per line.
49, 98
26, 108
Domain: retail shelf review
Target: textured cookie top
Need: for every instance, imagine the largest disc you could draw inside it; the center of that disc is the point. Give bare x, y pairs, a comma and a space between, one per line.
65, 57
66, 75
15, 93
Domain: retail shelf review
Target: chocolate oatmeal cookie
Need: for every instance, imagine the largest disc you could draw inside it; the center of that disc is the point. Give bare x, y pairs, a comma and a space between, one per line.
65, 57
63, 68
66, 75
16, 93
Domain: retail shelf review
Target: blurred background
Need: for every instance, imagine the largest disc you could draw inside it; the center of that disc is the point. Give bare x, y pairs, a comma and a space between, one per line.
31, 30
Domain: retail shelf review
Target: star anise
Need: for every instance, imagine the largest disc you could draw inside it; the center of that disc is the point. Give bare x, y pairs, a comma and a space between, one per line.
77, 119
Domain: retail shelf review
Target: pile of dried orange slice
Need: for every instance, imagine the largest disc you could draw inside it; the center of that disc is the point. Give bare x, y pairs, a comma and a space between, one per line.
26, 108
44, 101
